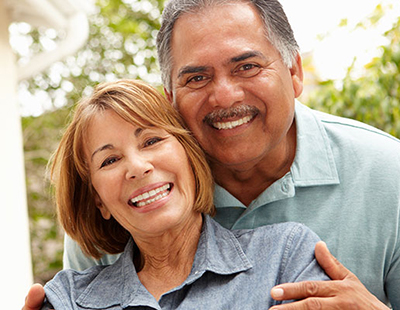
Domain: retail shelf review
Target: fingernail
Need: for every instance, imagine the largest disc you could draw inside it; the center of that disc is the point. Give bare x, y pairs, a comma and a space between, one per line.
277, 292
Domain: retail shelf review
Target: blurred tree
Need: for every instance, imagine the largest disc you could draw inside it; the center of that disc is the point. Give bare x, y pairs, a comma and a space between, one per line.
373, 97
121, 45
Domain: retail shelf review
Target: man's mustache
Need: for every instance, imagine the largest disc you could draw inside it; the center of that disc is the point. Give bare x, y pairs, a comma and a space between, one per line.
233, 112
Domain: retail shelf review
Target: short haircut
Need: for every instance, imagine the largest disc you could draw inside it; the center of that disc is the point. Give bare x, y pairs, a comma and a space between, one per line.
276, 25
138, 104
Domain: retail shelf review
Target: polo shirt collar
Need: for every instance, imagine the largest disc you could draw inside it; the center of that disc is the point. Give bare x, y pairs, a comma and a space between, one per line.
221, 255
314, 163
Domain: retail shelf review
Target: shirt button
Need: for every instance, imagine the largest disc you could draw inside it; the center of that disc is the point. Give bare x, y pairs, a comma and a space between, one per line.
285, 186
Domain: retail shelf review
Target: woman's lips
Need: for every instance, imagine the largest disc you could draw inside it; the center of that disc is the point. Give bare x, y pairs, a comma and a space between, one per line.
150, 196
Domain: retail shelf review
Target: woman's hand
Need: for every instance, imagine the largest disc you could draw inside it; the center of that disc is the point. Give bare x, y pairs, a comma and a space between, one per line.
345, 291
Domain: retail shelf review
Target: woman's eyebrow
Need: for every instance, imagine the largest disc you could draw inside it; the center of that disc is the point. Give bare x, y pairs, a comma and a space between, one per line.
102, 148
138, 132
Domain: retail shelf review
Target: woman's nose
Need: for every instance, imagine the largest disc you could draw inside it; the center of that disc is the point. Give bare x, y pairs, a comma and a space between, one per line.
138, 167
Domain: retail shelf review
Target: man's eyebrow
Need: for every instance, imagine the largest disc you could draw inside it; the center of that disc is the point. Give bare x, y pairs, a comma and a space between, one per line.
195, 69
247, 55
191, 69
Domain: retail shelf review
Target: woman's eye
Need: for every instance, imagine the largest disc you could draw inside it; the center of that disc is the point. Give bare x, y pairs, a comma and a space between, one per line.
109, 161
152, 141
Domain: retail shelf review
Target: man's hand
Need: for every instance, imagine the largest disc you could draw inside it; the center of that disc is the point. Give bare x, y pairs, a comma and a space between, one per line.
344, 292
35, 298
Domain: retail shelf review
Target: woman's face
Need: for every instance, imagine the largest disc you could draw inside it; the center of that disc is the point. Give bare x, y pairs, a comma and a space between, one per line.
142, 176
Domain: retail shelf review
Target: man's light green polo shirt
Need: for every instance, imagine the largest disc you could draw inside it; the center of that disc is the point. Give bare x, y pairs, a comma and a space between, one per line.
345, 185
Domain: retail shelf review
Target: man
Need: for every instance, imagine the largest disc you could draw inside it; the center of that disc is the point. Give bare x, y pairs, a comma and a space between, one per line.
233, 70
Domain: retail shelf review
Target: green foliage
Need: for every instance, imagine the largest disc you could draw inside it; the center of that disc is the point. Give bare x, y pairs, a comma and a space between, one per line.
40, 139
373, 98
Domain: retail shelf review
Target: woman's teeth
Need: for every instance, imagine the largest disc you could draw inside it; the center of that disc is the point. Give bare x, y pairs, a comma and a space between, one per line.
151, 196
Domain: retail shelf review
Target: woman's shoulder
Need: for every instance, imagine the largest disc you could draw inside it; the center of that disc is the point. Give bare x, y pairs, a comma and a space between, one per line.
67, 285
288, 236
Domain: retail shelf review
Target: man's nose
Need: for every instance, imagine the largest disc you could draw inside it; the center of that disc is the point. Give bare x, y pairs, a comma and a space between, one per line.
225, 92
138, 166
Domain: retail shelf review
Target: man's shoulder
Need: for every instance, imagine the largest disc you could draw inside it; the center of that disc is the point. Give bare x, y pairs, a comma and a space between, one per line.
74, 258
353, 128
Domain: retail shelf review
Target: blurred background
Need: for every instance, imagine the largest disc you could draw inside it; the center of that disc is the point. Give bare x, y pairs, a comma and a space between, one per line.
53, 52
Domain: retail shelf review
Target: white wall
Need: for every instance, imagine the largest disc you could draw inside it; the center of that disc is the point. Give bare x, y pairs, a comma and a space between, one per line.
15, 257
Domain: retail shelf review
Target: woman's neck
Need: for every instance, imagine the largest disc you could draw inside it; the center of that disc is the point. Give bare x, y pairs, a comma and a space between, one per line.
165, 262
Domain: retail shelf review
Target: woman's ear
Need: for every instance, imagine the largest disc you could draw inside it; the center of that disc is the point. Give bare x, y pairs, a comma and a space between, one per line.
103, 209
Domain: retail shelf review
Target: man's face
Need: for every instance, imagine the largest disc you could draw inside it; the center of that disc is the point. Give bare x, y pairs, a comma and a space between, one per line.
231, 86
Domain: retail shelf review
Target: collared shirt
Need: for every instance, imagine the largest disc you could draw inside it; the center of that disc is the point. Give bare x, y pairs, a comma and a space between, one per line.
344, 184
231, 270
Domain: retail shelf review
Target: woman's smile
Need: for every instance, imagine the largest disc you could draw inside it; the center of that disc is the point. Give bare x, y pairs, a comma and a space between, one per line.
150, 196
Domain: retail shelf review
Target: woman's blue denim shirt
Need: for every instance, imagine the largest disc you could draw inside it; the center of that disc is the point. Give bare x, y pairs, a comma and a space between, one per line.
231, 270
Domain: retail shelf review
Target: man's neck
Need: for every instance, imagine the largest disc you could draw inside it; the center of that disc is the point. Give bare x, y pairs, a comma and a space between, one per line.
246, 181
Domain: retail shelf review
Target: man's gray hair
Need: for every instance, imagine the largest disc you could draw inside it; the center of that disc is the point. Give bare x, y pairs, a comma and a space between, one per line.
277, 28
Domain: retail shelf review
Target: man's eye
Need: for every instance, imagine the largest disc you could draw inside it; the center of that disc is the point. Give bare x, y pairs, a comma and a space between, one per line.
109, 161
197, 78
197, 81
248, 70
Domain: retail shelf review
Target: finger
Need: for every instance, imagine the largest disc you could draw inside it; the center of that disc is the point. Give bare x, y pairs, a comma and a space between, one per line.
333, 268
307, 304
35, 298
300, 290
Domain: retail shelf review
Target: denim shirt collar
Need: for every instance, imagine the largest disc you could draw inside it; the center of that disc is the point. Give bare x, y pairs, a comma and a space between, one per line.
218, 251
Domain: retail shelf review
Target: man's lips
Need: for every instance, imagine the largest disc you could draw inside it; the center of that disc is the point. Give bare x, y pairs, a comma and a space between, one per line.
231, 118
151, 196
232, 124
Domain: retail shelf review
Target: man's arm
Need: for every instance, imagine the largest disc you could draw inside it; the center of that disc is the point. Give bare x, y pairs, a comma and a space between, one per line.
35, 298
344, 292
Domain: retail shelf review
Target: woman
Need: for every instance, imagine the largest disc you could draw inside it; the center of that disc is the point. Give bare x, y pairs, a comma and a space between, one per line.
129, 177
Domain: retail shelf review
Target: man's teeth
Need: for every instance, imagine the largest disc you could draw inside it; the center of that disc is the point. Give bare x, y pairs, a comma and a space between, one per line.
233, 124
150, 196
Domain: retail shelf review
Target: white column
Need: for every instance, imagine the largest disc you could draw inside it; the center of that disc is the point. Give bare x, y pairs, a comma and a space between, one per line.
15, 256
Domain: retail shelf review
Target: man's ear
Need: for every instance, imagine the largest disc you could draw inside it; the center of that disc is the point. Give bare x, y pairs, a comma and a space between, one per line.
169, 95
103, 209
297, 75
